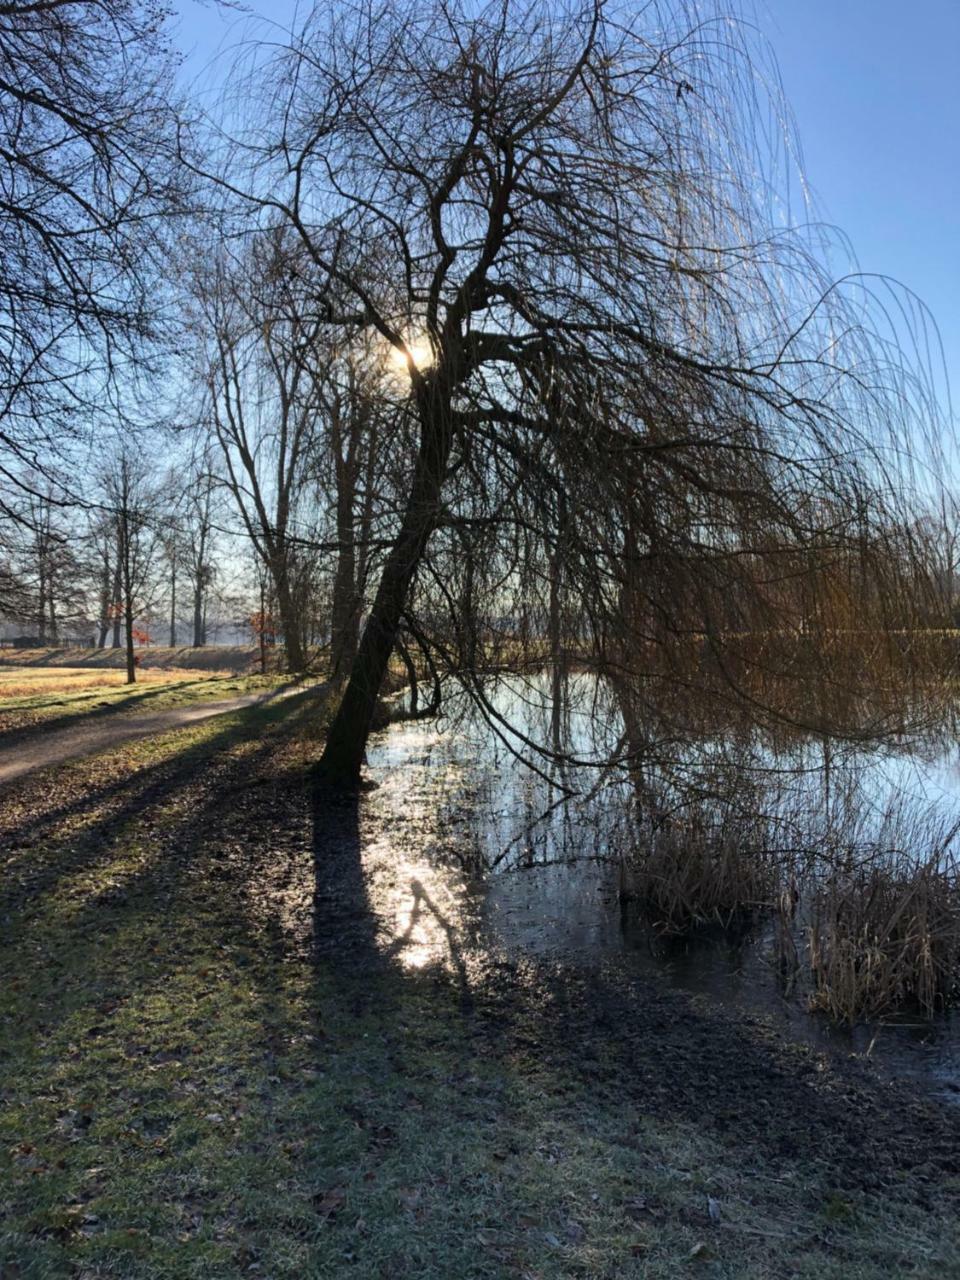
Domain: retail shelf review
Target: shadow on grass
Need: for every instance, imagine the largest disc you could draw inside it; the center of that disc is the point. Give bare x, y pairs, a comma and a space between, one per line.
98, 816
133, 701
218, 1061
656, 1052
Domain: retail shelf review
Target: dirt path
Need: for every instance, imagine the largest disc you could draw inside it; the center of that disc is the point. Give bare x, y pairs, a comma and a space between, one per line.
59, 745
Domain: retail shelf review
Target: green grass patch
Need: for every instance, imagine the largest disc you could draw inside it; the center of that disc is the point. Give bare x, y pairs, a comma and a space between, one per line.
65, 708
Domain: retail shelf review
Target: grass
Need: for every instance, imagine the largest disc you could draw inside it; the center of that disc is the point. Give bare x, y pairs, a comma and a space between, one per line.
30, 697
233, 658
33, 682
189, 1089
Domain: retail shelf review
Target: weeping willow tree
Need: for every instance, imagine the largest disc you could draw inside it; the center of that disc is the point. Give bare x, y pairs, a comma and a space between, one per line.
653, 434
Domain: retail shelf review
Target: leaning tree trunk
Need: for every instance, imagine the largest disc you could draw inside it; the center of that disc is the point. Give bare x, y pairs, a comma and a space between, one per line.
347, 739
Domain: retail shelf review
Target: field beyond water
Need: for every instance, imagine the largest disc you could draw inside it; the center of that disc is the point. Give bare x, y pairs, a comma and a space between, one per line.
213, 1064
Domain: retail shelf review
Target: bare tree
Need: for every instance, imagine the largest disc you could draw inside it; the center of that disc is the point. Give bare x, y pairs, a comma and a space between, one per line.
263, 406
630, 383
86, 181
356, 437
135, 504
199, 549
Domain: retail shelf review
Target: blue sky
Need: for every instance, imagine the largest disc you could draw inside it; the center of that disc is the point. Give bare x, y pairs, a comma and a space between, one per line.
875, 92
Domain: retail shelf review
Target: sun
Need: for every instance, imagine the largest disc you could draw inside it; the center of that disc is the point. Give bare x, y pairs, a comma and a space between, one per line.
419, 349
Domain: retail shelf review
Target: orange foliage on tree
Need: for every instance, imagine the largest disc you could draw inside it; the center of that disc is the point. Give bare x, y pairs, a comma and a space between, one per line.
263, 626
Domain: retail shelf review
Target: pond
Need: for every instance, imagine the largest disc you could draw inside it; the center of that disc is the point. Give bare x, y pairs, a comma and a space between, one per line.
469, 848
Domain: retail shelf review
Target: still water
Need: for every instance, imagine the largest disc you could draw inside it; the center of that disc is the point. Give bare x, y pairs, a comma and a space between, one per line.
468, 847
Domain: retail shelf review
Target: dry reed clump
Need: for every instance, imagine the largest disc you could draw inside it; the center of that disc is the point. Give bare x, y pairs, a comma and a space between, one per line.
865, 927
698, 871
883, 937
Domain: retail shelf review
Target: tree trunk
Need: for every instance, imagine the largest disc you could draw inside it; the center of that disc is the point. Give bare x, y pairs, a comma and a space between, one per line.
125, 565
104, 604
117, 585
557, 656
128, 630
346, 742
42, 607
344, 620
173, 605
263, 629
289, 622
199, 630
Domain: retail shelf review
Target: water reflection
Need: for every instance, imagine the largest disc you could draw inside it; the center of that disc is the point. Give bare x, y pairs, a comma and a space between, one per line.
467, 849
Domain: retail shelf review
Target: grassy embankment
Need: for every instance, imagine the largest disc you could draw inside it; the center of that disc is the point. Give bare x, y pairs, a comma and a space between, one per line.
191, 1089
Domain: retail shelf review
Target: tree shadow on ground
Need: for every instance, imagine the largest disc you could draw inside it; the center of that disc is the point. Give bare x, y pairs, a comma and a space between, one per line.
89, 820
93, 715
218, 1055
653, 1050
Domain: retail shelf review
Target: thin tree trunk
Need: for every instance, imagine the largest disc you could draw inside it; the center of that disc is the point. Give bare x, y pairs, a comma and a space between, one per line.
173, 605
124, 560
289, 621
344, 621
104, 604
413, 701
42, 607
263, 630
117, 585
199, 630
128, 630
557, 657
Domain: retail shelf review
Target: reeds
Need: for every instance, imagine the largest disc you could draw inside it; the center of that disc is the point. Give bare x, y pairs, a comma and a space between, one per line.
703, 871
884, 937
863, 906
